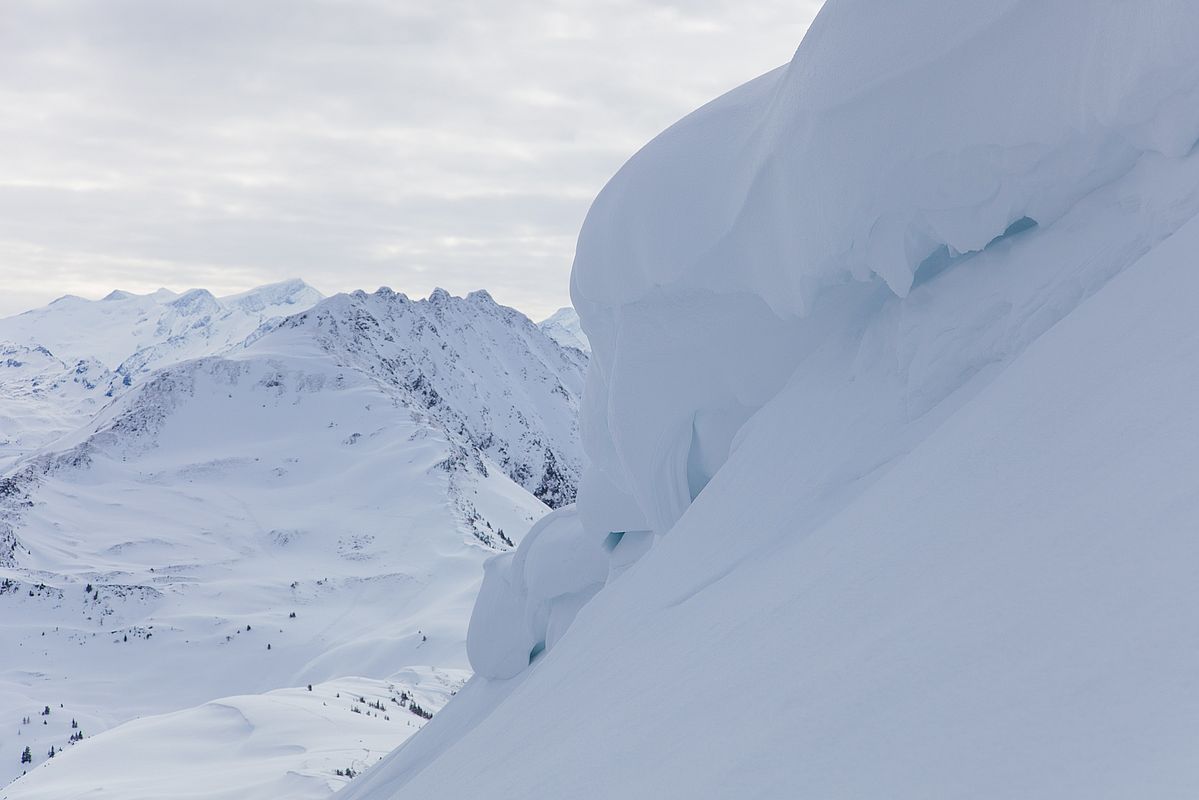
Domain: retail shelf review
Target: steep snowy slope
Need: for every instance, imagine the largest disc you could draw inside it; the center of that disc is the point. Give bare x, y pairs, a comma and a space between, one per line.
563, 327
492, 380
64, 361
312, 473
890, 426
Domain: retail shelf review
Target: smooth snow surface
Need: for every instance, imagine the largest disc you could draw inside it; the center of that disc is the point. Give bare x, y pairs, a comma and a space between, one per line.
994, 113
289, 743
891, 426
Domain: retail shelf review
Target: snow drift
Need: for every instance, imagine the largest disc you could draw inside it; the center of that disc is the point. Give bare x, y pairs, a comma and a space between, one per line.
889, 436
899, 138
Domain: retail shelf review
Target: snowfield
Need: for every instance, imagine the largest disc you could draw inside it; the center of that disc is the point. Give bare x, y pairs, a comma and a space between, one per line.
294, 743
313, 504
891, 437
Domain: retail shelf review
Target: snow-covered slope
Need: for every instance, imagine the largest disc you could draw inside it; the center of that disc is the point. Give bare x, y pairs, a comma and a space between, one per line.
314, 505
492, 380
299, 744
563, 327
42, 396
64, 361
891, 431
170, 326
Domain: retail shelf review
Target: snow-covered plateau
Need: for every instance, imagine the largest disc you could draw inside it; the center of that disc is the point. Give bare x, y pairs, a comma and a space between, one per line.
309, 505
892, 437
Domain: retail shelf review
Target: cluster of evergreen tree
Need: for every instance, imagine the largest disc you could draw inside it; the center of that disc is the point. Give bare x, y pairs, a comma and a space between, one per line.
409, 702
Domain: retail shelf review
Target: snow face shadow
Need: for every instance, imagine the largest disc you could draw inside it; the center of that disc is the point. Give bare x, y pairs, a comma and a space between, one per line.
942, 258
626, 549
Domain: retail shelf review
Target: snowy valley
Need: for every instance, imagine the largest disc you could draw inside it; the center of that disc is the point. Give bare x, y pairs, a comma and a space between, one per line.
308, 505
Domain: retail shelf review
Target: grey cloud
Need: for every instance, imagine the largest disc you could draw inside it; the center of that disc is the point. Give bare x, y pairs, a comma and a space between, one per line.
413, 144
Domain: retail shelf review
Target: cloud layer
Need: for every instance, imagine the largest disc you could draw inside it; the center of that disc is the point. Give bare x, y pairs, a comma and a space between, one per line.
354, 144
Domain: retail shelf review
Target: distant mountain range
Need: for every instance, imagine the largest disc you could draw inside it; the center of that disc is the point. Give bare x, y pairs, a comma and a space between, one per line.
61, 363
210, 496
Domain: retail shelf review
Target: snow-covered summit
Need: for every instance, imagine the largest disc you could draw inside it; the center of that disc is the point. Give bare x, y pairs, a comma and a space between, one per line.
563, 327
105, 346
290, 295
990, 119
176, 326
489, 376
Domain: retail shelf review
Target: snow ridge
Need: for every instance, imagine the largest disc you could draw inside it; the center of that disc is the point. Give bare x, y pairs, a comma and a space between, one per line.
493, 381
78, 354
564, 327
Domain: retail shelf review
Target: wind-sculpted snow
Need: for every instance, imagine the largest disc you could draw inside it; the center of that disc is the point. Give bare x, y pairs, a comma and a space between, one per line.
889, 421
888, 147
529, 597
885, 139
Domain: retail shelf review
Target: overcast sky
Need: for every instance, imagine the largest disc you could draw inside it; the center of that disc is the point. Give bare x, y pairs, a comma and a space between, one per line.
359, 143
